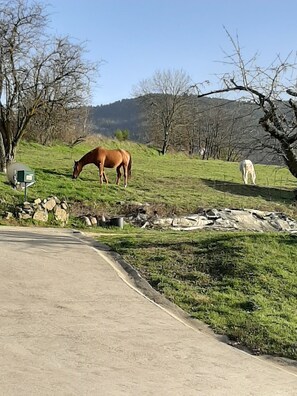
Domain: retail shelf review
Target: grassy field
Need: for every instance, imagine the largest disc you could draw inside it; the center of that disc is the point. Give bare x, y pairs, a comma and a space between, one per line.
176, 183
241, 284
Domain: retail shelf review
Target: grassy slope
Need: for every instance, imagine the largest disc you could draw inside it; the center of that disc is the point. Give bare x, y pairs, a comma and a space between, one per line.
242, 284
179, 183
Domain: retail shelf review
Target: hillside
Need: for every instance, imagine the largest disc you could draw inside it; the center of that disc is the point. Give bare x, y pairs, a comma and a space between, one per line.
243, 117
128, 114
123, 114
175, 183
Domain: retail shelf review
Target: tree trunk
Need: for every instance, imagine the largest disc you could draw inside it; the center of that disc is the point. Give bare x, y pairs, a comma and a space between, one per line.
2, 155
165, 142
7, 153
290, 157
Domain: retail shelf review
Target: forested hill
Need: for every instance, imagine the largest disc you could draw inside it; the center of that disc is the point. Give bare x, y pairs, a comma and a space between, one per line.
123, 114
227, 129
128, 114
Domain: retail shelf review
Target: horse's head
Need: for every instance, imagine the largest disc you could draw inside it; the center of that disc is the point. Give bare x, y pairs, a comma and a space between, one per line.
76, 169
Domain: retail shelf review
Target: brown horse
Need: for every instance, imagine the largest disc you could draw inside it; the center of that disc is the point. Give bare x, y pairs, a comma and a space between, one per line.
102, 157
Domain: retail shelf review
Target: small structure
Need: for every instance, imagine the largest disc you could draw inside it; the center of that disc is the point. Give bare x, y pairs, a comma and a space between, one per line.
26, 177
25, 180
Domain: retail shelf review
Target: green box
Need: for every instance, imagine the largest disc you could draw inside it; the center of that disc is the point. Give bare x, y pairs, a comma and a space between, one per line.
24, 176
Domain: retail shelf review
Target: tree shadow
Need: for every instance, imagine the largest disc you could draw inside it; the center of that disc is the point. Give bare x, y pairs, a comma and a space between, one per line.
267, 193
219, 255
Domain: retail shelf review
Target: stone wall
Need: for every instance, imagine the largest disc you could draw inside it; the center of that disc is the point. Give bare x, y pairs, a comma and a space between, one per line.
39, 210
143, 215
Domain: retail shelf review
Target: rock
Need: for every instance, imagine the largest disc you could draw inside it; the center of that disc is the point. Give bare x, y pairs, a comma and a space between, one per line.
280, 225
93, 221
29, 210
87, 221
39, 210
8, 215
57, 200
24, 216
222, 219
64, 205
183, 222
166, 222
41, 215
50, 204
212, 214
61, 215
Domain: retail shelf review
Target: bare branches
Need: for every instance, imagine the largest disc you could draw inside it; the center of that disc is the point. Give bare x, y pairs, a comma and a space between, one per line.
267, 88
36, 71
164, 96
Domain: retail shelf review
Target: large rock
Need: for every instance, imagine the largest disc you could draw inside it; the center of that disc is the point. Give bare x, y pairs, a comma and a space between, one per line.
41, 215
50, 204
61, 215
191, 221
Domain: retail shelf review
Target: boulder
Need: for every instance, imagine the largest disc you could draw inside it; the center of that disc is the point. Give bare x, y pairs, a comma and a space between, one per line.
41, 215
61, 215
50, 204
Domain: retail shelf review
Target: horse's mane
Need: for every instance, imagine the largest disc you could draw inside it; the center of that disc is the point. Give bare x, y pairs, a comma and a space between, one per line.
88, 157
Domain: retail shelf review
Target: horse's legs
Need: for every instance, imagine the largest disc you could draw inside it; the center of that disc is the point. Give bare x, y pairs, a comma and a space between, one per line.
118, 175
254, 177
102, 174
125, 174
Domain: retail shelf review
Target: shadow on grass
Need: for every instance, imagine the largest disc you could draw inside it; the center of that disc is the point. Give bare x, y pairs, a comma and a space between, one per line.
267, 193
52, 172
68, 175
218, 255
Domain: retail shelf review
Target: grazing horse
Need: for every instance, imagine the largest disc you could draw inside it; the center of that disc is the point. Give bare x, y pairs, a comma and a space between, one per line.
102, 157
247, 169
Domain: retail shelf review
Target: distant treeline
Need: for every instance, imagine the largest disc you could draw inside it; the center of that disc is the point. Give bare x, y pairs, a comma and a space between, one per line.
216, 118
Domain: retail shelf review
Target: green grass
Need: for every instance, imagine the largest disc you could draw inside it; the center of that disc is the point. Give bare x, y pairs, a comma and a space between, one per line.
241, 284
176, 182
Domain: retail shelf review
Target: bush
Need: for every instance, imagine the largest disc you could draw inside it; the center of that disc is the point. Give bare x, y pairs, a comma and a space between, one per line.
121, 135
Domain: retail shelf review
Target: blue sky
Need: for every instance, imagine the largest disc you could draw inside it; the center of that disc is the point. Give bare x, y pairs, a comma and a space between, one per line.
135, 38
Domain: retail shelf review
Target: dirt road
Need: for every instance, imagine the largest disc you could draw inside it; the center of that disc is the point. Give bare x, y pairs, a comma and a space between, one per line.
73, 324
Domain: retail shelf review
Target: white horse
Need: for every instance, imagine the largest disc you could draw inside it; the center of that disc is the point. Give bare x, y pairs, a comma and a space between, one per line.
247, 169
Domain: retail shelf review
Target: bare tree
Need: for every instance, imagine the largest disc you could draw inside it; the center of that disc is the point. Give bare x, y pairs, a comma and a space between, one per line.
36, 72
58, 124
219, 134
272, 90
164, 96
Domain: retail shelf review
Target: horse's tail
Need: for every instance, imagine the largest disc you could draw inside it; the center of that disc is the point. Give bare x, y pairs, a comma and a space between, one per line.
129, 165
